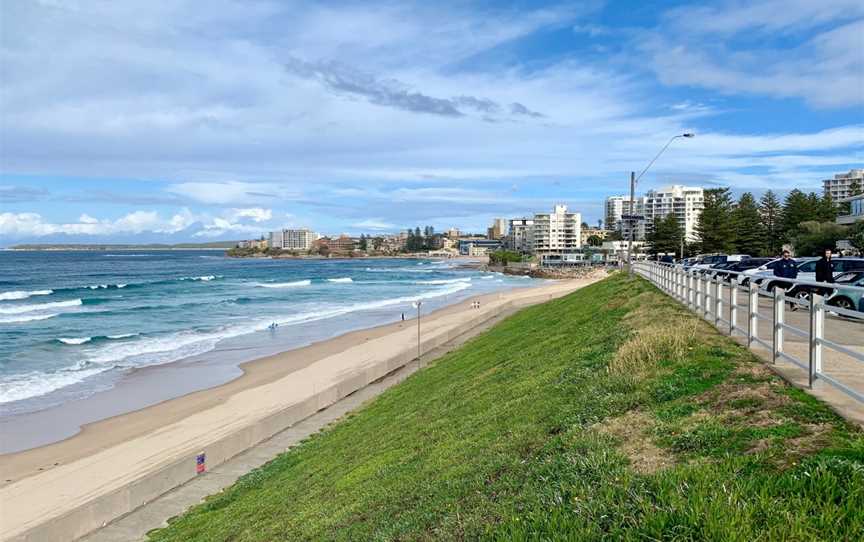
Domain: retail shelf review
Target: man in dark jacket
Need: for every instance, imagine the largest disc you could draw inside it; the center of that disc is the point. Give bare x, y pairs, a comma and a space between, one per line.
825, 267
786, 268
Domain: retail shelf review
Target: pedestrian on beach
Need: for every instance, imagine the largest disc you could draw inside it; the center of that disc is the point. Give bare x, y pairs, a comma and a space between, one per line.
403, 316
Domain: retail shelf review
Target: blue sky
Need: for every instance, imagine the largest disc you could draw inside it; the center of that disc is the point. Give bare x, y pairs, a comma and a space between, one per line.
163, 121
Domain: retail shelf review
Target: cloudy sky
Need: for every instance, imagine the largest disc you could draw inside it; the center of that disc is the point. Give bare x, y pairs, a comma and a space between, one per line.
189, 120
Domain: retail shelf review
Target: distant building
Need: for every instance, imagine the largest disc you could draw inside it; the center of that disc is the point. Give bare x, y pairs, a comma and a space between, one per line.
291, 239
616, 208
478, 246
685, 202
558, 232
519, 235
856, 210
343, 244
453, 233
593, 232
497, 229
842, 185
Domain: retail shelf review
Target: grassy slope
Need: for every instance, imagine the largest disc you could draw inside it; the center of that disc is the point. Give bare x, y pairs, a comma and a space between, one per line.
609, 413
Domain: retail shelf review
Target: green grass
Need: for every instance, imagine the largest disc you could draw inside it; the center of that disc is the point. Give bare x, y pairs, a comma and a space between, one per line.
527, 433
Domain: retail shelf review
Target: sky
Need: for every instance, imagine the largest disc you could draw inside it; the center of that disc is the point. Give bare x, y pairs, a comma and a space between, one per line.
176, 121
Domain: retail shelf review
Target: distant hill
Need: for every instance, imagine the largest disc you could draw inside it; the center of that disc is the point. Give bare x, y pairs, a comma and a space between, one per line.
216, 245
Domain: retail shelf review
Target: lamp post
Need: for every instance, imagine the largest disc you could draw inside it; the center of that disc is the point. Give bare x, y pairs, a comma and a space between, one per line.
417, 304
635, 179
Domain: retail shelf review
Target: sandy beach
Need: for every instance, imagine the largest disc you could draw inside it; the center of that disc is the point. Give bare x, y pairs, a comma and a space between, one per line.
51, 481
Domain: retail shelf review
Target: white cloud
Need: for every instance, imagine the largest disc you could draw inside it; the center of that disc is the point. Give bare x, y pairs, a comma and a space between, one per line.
375, 224
257, 214
700, 46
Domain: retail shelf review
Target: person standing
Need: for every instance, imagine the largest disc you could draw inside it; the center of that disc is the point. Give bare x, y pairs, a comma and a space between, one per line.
786, 268
825, 267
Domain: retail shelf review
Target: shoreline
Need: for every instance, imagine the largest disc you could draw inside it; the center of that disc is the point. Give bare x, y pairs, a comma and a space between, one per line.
92, 437
115, 465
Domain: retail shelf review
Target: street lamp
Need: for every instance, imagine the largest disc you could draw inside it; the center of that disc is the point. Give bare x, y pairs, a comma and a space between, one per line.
635, 179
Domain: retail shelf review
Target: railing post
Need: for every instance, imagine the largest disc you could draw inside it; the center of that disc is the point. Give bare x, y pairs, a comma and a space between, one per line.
779, 305
718, 303
817, 332
752, 313
733, 305
706, 297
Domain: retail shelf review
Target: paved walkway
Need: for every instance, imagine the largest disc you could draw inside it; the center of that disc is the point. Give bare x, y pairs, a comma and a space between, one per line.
134, 526
846, 332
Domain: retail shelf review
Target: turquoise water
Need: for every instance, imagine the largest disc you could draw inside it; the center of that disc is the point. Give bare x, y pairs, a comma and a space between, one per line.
73, 323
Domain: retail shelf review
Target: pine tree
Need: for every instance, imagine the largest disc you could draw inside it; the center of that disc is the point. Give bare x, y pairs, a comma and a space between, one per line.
769, 211
798, 208
665, 238
714, 228
363, 243
749, 231
827, 208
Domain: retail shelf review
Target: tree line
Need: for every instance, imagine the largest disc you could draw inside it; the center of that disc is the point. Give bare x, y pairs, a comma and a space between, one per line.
759, 228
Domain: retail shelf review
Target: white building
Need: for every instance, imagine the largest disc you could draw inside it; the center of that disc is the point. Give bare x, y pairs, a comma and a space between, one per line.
519, 235
616, 208
840, 187
497, 229
558, 232
289, 239
685, 202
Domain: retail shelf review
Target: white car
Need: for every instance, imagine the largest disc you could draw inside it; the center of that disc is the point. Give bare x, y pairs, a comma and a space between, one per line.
763, 272
706, 262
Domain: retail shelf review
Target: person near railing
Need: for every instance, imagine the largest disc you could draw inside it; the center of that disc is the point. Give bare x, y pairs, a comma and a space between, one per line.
786, 268
824, 273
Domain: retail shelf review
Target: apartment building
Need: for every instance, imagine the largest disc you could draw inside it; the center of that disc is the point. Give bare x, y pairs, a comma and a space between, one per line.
842, 185
519, 235
291, 239
616, 208
497, 229
685, 202
558, 232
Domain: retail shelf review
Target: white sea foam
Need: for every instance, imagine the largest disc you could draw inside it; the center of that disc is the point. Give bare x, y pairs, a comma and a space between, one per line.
122, 336
203, 278
341, 280
294, 284
25, 318
444, 281
19, 309
8, 296
150, 350
399, 270
75, 340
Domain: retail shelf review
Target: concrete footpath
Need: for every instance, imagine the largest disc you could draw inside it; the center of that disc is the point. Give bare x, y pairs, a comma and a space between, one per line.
74, 499
134, 527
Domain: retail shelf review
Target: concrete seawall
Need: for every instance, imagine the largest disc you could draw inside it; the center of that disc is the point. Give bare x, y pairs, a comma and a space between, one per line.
99, 505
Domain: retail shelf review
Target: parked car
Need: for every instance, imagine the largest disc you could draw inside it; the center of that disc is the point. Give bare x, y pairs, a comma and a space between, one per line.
807, 271
843, 296
728, 271
765, 274
710, 260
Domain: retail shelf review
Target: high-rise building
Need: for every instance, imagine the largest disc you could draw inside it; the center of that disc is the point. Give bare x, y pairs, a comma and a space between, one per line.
616, 208
842, 185
519, 235
291, 239
685, 202
497, 229
558, 232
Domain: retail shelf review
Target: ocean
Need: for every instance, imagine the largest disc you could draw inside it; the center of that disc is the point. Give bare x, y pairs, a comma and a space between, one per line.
73, 323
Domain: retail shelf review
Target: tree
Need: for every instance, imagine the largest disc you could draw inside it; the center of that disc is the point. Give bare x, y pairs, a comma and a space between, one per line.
749, 231
769, 211
827, 209
666, 235
714, 228
594, 241
614, 235
364, 244
814, 237
855, 235
798, 208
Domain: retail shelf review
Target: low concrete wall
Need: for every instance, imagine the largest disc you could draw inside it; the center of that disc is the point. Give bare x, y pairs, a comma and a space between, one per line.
106, 508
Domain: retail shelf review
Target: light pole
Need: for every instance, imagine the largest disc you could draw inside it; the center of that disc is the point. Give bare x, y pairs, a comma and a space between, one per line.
417, 304
635, 179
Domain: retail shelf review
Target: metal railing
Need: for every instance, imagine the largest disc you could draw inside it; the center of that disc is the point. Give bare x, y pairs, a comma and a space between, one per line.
738, 313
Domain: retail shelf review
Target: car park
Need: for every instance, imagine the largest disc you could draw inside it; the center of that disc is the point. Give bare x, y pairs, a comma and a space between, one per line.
730, 270
845, 297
